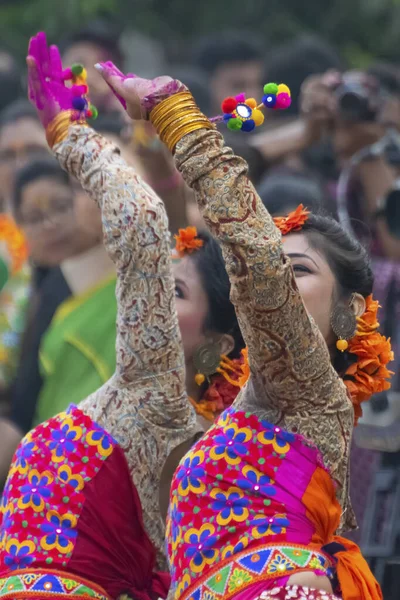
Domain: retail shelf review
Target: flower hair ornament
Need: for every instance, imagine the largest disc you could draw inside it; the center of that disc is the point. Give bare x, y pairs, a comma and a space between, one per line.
293, 221
359, 336
186, 242
14, 249
241, 114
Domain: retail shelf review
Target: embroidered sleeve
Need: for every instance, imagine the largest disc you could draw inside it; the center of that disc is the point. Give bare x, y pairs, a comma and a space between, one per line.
290, 363
135, 226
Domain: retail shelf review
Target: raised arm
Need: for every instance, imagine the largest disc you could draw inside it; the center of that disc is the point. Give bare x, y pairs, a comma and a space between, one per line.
150, 359
289, 359
137, 239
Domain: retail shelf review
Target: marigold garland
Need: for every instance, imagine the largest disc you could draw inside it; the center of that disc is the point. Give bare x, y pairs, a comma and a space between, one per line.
187, 241
15, 242
293, 221
369, 374
224, 387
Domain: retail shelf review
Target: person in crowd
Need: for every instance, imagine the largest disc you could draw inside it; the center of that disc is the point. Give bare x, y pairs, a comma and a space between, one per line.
293, 62
371, 180
95, 42
14, 295
63, 230
267, 487
137, 420
21, 140
234, 64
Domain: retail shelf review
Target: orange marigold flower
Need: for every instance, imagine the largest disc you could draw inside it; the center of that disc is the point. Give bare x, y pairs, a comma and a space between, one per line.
187, 241
14, 240
369, 374
294, 221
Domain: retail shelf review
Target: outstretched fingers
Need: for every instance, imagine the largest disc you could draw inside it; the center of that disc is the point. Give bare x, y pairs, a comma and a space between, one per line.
36, 83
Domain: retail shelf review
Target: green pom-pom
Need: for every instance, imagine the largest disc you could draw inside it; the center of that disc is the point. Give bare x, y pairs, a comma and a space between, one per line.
270, 88
235, 124
95, 112
77, 69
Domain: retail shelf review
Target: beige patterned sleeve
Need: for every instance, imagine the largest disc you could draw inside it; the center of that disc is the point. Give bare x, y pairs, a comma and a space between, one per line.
135, 226
290, 363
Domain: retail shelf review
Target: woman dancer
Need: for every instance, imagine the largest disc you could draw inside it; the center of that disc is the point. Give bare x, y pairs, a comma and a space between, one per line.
72, 520
256, 504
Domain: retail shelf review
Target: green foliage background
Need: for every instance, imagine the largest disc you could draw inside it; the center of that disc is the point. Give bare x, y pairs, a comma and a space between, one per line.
361, 29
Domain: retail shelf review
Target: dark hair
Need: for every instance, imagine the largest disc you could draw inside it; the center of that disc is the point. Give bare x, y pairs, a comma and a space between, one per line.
387, 75
211, 266
241, 147
100, 32
20, 109
280, 193
228, 47
349, 262
196, 80
37, 169
292, 63
346, 256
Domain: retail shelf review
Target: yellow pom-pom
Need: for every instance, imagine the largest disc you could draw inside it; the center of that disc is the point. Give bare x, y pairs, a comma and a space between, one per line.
83, 75
251, 102
199, 379
258, 117
342, 345
283, 89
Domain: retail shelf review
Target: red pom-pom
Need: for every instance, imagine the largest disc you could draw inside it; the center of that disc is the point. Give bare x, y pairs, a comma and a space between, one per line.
229, 105
89, 114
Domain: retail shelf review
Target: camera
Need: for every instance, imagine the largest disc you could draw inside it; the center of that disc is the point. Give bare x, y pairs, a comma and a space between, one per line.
358, 100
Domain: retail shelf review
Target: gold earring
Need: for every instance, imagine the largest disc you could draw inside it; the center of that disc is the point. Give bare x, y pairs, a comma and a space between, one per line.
344, 324
206, 360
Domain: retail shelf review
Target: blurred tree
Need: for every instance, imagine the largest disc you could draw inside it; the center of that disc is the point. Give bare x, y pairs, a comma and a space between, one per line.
361, 29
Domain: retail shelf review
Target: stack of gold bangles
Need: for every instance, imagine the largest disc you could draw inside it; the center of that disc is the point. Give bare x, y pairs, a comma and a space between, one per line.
177, 116
57, 130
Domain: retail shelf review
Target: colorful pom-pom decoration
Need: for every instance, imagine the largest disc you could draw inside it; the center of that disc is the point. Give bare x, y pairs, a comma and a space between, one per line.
80, 102
241, 114
276, 96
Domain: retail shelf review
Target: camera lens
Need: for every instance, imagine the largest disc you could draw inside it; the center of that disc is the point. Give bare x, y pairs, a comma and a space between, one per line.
354, 107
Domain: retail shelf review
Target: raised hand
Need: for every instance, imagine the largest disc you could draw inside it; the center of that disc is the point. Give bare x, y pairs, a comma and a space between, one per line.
138, 96
47, 89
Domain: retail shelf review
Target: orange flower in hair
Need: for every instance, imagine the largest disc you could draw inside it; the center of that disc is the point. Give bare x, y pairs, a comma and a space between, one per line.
187, 241
369, 374
294, 221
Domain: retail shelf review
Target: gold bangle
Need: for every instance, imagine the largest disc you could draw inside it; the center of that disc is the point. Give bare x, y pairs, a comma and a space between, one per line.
185, 128
57, 130
176, 117
159, 110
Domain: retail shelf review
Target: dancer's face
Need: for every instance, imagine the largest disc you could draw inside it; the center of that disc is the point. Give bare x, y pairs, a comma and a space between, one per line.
315, 280
191, 305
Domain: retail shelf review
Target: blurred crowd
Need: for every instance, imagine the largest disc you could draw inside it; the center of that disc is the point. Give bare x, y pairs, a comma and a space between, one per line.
336, 150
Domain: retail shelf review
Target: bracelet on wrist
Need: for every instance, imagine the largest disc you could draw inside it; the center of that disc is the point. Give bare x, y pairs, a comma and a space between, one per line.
57, 130
176, 117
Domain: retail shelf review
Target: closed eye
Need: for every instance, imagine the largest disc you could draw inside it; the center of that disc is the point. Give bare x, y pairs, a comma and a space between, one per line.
301, 270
